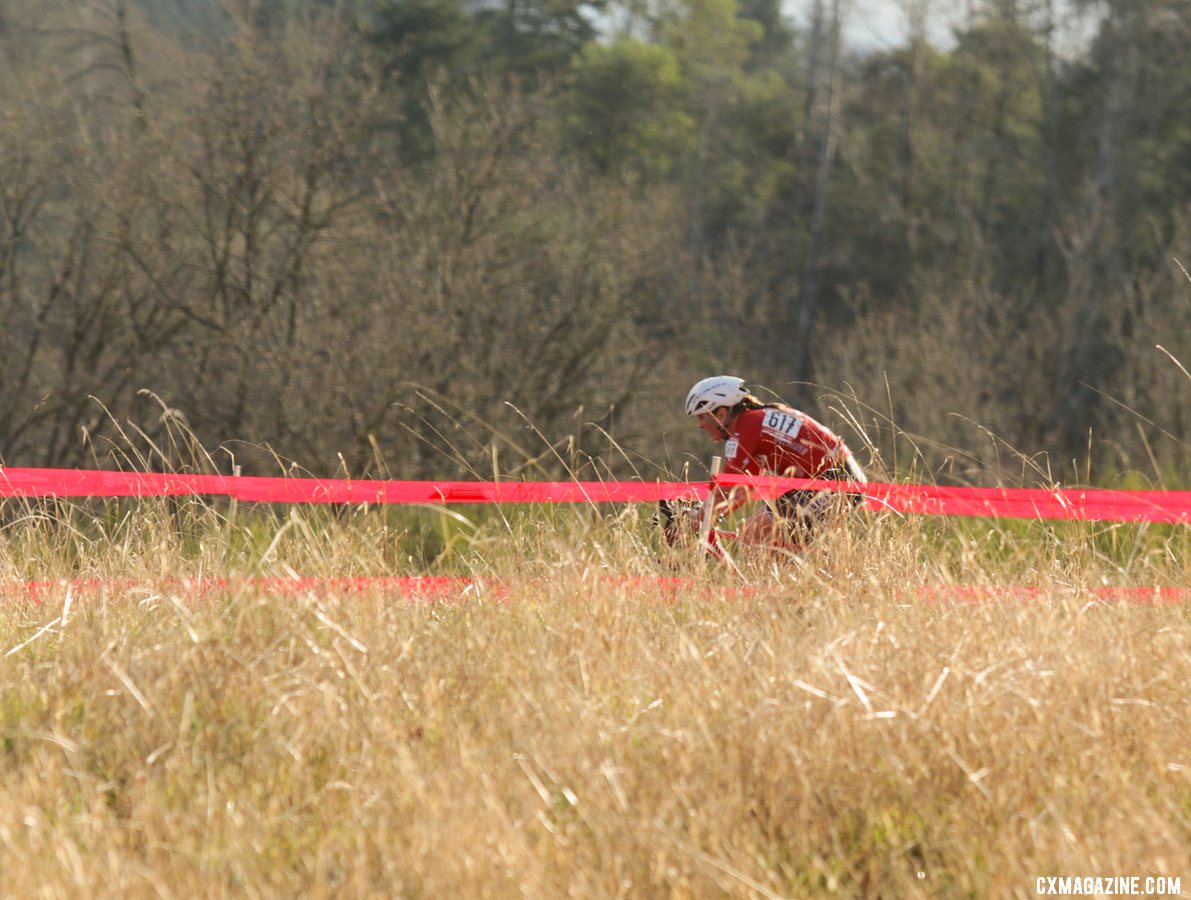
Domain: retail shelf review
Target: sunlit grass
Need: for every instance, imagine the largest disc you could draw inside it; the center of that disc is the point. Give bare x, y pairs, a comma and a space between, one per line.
595, 729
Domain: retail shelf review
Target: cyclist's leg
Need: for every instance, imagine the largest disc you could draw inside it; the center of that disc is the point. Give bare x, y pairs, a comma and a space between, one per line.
762, 528
804, 513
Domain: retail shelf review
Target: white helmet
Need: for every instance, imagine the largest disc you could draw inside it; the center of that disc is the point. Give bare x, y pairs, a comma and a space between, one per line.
713, 393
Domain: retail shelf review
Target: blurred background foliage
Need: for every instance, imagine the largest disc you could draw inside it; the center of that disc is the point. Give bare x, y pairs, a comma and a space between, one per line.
425, 238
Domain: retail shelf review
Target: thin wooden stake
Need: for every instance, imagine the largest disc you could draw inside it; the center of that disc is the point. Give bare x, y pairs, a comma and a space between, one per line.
717, 463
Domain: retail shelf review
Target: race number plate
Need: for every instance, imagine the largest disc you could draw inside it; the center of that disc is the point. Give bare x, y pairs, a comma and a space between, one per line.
782, 424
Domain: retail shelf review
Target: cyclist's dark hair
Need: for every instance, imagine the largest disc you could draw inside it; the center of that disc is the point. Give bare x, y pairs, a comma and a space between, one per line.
751, 401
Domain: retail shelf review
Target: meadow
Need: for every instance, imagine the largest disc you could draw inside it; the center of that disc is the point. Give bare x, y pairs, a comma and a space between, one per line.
619, 720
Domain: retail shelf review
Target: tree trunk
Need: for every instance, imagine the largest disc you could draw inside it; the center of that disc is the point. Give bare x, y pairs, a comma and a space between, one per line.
803, 362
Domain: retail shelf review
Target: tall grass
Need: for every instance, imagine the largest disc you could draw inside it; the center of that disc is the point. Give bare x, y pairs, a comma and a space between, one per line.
588, 733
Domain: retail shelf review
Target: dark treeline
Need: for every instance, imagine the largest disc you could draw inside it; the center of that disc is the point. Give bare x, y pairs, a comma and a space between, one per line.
413, 237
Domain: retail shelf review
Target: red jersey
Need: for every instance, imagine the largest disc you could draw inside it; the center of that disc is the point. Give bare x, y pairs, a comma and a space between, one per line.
783, 441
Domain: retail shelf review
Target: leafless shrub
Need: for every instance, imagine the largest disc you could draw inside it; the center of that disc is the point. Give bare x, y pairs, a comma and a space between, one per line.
245, 253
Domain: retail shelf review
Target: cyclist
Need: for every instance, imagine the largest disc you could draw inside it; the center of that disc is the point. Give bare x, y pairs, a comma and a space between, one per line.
769, 439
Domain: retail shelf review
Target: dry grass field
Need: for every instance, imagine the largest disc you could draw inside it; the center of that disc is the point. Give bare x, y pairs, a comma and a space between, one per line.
817, 728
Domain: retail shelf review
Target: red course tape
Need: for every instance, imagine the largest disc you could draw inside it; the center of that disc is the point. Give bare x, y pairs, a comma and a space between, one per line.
88, 483
1022, 503
448, 588
1027, 503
